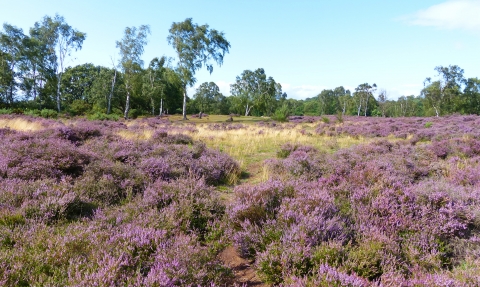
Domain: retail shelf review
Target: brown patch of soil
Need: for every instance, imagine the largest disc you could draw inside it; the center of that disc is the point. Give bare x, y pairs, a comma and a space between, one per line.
244, 273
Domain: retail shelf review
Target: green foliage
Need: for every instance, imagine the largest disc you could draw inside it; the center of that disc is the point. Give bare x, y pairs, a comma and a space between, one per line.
253, 90
35, 113
11, 220
270, 266
325, 120
131, 49
5, 111
311, 108
428, 124
48, 113
365, 259
79, 107
196, 46
331, 253
206, 96
339, 118
281, 114
102, 117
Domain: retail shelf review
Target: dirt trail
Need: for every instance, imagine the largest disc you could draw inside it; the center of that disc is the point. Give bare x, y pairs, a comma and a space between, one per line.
244, 273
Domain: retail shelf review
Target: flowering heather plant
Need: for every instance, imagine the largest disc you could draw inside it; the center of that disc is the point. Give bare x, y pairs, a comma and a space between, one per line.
392, 207
25, 157
189, 204
103, 203
225, 127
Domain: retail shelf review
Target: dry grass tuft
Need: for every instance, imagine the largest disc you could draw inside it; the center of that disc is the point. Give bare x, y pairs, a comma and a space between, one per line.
143, 134
20, 124
251, 145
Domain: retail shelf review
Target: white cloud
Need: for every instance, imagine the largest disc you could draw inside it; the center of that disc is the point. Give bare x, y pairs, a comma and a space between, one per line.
453, 14
394, 93
224, 87
301, 92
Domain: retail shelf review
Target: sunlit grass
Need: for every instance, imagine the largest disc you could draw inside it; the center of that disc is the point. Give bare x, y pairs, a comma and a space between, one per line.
217, 119
20, 124
251, 145
143, 134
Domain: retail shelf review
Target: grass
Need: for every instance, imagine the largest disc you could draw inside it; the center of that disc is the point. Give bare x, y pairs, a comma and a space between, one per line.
20, 124
218, 119
252, 145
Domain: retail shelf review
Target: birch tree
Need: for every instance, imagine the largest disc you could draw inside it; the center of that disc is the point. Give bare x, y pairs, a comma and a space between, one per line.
60, 39
131, 49
196, 46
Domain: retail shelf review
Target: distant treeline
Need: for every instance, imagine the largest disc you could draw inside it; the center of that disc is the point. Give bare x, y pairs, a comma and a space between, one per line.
33, 77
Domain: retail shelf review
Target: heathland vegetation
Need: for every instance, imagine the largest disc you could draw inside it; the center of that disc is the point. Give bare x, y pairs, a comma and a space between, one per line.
318, 201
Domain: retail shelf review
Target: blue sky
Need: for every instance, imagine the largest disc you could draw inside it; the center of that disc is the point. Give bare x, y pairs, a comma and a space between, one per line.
307, 46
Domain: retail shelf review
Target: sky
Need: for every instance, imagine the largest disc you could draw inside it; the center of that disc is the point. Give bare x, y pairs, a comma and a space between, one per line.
305, 45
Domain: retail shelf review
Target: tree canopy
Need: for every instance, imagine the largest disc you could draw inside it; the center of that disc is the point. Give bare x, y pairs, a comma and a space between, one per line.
196, 46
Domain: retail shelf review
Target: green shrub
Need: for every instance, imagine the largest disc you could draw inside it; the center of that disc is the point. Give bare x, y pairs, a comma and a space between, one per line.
5, 111
281, 114
35, 113
270, 265
366, 259
79, 107
103, 117
325, 120
331, 253
428, 124
49, 114
134, 113
11, 220
339, 117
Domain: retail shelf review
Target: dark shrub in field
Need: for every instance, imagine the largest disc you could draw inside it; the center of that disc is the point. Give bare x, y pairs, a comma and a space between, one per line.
25, 157
173, 138
191, 205
109, 182
46, 201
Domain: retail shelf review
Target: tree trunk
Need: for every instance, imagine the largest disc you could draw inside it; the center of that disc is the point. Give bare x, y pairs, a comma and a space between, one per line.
185, 103
161, 108
153, 106
247, 110
109, 104
59, 77
34, 83
366, 105
127, 103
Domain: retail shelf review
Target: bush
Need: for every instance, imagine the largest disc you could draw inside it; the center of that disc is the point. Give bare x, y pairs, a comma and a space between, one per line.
79, 107
48, 114
37, 158
339, 117
134, 113
281, 114
103, 117
34, 112
5, 111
